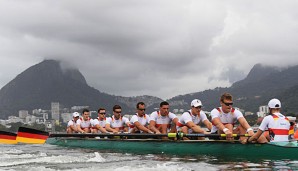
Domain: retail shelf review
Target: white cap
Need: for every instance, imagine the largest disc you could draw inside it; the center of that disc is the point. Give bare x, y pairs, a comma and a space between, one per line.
75, 114
196, 103
274, 103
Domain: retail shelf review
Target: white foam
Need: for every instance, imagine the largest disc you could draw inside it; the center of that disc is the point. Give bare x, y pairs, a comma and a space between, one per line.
25, 159
97, 158
40, 159
11, 151
168, 166
36, 168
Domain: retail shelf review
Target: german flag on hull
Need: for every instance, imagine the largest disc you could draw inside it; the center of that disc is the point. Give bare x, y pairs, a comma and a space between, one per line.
31, 136
8, 137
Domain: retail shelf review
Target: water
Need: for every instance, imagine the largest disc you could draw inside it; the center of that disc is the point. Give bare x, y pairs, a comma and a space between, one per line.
49, 157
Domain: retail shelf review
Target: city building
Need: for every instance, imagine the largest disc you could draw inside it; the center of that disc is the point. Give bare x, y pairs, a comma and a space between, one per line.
23, 114
55, 109
263, 111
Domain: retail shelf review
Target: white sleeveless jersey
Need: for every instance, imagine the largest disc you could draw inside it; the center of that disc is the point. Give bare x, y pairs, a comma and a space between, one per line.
225, 118
187, 116
71, 122
84, 124
117, 123
99, 122
159, 119
278, 126
142, 120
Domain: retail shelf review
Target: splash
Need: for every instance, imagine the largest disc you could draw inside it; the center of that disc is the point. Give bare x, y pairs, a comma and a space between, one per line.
97, 158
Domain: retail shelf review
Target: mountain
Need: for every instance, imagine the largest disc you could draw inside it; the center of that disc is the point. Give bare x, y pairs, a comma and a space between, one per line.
258, 72
47, 82
261, 84
132, 101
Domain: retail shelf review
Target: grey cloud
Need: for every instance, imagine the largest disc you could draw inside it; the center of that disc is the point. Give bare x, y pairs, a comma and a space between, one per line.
161, 48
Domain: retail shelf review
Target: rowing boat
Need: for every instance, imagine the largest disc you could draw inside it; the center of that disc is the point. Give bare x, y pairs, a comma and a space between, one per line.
219, 148
154, 144
7, 137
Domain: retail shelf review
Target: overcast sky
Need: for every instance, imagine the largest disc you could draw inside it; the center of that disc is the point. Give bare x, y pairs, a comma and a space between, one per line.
149, 47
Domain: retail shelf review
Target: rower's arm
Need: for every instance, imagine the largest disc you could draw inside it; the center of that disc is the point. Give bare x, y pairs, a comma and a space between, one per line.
141, 127
246, 126
218, 124
127, 123
102, 130
152, 127
108, 128
175, 120
195, 127
79, 129
254, 138
208, 124
74, 128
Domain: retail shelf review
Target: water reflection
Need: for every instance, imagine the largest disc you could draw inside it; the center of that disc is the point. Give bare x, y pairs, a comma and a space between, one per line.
61, 158
228, 164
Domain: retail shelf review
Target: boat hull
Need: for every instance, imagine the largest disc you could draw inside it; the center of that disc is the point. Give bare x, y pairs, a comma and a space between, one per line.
222, 149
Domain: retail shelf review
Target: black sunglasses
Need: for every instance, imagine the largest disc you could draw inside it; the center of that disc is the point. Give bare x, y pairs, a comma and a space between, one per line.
198, 107
142, 109
117, 111
228, 104
102, 113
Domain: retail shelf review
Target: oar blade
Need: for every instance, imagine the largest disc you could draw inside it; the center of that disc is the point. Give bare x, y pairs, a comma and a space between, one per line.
7, 137
31, 136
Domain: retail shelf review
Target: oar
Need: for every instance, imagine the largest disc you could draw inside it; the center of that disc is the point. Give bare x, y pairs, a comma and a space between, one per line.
33, 136
7, 137
109, 135
170, 135
212, 135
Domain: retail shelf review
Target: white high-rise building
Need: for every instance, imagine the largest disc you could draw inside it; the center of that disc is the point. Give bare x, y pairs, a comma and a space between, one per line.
263, 110
23, 114
55, 108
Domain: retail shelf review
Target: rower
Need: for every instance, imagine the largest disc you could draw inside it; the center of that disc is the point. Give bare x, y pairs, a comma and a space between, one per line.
277, 124
84, 123
189, 121
72, 124
117, 123
139, 122
224, 118
163, 121
99, 124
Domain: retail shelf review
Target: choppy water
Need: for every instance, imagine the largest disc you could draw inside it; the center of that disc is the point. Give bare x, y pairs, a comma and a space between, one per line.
48, 157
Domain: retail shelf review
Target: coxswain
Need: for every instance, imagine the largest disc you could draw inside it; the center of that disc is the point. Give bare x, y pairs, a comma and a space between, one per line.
277, 124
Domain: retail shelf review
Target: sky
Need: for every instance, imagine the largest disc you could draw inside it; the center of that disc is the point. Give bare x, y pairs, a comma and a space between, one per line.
161, 48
